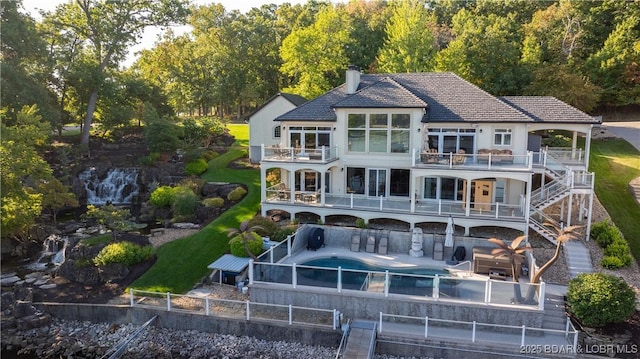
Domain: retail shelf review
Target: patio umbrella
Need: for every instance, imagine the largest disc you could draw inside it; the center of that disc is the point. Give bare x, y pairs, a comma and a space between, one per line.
448, 240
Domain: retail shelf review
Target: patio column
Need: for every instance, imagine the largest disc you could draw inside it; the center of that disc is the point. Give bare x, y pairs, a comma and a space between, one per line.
263, 188
589, 216
322, 185
587, 148
414, 193
569, 209
574, 144
292, 186
467, 199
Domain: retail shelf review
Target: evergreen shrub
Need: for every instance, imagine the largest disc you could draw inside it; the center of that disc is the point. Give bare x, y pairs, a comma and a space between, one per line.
598, 299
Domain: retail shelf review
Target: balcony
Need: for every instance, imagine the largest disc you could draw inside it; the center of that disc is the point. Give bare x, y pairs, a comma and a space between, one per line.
283, 196
320, 155
494, 161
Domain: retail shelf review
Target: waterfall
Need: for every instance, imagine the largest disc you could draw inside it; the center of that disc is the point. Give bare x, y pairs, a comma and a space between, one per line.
120, 186
53, 252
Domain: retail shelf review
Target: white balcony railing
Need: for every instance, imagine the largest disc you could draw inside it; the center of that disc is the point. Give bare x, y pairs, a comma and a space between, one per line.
488, 161
322, 154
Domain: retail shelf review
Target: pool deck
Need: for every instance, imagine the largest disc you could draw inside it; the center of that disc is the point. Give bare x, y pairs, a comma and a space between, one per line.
389, 260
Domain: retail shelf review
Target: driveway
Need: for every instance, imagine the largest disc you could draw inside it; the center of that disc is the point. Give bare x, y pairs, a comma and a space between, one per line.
630, 131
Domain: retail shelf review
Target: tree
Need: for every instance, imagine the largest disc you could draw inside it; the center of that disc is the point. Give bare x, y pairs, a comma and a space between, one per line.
56, 196
245, 233
314, 57
22, 167
515, 253
486, 52
368, 20
410, 42
597, 299
109, 28
114, 218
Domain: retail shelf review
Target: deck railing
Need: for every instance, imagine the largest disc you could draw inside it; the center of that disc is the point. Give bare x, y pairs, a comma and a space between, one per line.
477, 332
322, 154
208, 305
435, 287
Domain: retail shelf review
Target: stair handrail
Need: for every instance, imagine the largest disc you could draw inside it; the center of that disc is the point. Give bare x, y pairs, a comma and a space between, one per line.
343, 340
551, 189
460, 264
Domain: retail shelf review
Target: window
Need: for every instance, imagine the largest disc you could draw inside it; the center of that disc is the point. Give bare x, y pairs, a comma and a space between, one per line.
355, 180
356, 132
400, 183
502, 137
379, 133
447, 140
277, 132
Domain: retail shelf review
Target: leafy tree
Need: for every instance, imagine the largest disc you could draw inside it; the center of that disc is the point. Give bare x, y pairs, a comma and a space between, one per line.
161, 135
598, 299
114, 218
56, 196
410, 42
246, 234
486, 52
368, 20
615, 67
559, 81
24, 65
109, 28
314, 56
21, 169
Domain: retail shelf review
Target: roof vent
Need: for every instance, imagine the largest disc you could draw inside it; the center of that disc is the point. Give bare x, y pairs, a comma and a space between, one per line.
353, 79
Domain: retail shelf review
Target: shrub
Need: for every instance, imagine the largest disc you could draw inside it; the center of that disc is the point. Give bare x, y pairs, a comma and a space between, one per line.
605, 233
619, 249
236, 194
269, 228
184, 203
611, 262
360, 223
283, 232
194, 183
196, 167
254, 244
597, 299
215, 202
126, 253
209, 155
150, 160
163, 196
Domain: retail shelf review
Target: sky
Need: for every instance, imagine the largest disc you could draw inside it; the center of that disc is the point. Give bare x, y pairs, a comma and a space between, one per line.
150, 35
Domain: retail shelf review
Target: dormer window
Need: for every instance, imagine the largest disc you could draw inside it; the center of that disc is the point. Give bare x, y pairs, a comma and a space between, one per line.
502, 137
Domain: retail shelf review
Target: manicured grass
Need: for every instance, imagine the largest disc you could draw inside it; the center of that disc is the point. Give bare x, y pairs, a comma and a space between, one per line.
182, 263
615, 163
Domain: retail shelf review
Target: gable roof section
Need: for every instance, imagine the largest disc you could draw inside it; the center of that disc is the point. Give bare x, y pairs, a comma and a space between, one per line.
547, 109
296, 100
385, 93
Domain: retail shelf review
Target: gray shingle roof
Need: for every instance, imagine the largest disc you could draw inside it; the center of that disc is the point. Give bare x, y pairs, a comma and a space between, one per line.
383, 94
296, 100
547, 109
446, 97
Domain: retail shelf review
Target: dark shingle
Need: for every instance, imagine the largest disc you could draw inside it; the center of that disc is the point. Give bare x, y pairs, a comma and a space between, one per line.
547, 109
382, 94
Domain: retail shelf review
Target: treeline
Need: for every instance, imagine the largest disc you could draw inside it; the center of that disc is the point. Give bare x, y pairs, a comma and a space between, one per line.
586, 53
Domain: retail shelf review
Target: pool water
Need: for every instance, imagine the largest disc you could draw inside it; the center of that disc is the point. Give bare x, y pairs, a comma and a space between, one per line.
415, 282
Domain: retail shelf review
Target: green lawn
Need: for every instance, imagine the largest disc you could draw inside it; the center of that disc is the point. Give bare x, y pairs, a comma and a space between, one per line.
615, 163
182, 263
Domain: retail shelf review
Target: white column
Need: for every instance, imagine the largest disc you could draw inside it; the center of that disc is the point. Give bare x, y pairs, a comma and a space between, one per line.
569, 209
467, 200
292, 186
589, 216
263, 187
574, 144
587, 148
412, 190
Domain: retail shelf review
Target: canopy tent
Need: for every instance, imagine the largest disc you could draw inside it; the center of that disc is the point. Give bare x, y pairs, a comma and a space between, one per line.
229, 263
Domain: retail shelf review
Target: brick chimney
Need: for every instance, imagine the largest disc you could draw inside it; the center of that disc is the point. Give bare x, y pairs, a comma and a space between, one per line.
352, 79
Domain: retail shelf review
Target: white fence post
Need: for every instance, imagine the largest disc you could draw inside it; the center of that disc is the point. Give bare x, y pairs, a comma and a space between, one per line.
168, 302
290, 314
380, 324
351, 206
289, 246
473, 333
426, 326
248, 311
339, 279
131, 296
335, 319
381, 203
250, 271
386, 283
487, 292
541, 296
435, 293
294, 277
206, 303
524, 330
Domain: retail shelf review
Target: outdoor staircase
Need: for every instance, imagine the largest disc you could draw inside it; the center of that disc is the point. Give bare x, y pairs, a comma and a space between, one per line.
578, 258
554, 312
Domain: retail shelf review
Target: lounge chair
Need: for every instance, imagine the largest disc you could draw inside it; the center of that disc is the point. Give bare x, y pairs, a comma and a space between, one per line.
371, 244
355, 243
382, 246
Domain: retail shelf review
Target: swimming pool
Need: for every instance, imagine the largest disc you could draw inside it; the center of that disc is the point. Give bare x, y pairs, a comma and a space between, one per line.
361, 275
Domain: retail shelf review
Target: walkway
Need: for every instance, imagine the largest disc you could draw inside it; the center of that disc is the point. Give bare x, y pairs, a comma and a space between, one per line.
362, 340
578, 258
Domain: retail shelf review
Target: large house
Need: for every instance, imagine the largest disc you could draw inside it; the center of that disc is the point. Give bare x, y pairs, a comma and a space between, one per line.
419, 148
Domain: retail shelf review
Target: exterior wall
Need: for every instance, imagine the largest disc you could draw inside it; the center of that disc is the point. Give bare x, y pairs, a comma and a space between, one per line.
262, 124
